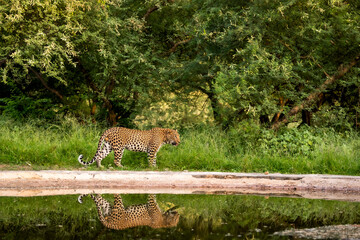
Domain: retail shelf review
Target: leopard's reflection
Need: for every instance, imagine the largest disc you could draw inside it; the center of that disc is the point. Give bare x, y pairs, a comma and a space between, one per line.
118, 217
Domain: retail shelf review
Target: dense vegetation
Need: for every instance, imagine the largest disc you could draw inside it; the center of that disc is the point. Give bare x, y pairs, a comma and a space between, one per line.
247, 148
186, 61
251, 85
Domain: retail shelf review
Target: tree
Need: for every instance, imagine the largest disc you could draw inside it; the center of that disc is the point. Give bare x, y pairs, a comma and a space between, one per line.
267, 61
260, 59
91, 49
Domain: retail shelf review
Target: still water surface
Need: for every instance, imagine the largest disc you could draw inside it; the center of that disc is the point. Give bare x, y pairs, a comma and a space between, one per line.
139, 216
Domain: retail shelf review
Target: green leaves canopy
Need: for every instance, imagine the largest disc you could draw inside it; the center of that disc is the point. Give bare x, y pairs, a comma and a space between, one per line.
255, 59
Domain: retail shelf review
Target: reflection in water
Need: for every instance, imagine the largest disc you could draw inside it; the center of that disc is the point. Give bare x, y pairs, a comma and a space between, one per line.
118, 217
202, 217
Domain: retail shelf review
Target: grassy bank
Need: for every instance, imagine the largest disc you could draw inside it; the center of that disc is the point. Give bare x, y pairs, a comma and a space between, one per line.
246, 148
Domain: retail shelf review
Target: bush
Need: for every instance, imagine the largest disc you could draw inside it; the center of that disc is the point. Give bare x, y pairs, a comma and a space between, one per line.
22, 108
289, 142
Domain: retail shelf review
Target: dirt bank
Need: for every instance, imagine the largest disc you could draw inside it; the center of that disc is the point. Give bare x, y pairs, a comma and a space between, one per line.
38, 183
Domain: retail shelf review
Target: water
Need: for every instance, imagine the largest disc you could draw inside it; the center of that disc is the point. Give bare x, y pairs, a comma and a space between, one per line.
174, 217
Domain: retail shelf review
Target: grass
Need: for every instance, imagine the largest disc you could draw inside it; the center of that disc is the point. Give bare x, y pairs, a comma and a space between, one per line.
246, 148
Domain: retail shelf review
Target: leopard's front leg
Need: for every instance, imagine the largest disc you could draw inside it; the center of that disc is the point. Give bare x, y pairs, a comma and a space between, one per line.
152, 159
152, 156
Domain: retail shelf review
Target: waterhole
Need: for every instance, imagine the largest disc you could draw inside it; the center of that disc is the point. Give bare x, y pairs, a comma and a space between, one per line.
171, 216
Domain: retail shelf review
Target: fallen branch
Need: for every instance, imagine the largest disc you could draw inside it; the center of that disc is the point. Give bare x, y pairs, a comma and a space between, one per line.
342, 70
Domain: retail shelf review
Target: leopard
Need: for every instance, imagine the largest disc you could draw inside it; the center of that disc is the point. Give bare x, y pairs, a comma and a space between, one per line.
118, 139
118, 217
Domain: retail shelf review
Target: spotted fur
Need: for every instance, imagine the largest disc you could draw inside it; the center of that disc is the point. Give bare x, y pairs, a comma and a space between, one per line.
118, 217
119, 138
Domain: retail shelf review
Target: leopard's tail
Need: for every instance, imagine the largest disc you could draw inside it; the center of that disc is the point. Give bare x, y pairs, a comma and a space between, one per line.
96, 154
81, 197
97, 201
84, 195
85, 163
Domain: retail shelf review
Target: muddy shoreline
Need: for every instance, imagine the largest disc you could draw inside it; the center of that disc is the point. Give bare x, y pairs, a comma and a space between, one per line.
51, 182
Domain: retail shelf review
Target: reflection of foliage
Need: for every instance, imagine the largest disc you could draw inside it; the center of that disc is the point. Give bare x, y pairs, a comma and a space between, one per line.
248, 214
201, 215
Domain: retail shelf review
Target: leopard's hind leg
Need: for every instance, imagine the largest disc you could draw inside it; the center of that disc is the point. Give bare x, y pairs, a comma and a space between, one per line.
104, 148
118, 153
103, 206
100, 155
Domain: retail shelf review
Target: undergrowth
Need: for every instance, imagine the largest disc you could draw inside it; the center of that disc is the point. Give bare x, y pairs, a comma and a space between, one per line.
244, 148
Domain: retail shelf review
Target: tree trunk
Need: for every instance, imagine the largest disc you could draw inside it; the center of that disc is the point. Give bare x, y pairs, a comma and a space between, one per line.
279, 115
214, 107
357, 123
108, 90
306, 117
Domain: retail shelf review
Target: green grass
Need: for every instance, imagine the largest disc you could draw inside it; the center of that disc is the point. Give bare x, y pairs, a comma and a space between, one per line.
246, 148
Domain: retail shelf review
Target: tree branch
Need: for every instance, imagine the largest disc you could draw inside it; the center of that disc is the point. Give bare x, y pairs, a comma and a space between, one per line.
177, 44
149, 11
154, 8
40, 77
342, 70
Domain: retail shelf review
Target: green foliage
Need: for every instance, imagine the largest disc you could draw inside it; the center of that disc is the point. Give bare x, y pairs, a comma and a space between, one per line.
247, 56
58, 50
290, 142
44, 145
22, 107
225, 64
247, 148
342, 121
37, 34
249, 59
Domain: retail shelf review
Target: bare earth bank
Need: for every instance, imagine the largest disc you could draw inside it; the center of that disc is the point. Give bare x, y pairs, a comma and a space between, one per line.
51, 182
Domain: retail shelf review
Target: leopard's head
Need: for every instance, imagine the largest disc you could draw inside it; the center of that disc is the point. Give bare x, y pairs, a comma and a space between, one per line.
172, 137
170, 218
